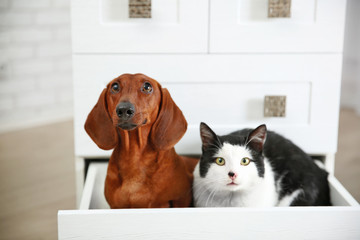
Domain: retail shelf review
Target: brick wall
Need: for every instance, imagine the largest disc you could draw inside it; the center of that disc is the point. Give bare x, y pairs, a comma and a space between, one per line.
35, 63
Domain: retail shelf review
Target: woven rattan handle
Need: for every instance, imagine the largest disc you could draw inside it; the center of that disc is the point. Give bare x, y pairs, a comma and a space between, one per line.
139, 8
279, 8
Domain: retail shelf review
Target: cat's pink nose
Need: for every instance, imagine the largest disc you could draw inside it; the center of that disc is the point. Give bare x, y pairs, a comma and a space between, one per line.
232, 175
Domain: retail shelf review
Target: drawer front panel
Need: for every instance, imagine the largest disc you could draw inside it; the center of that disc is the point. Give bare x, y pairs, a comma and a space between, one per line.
227, 92
240, 103
94, 219
244, 26
93, 196
203, 224
104, 26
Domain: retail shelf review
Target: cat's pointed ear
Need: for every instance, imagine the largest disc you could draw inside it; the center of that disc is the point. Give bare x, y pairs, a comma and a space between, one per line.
208, 137
257, 137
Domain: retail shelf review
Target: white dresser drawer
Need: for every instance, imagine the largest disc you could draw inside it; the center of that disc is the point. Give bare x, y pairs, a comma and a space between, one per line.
340, 221
243, 26
241, 103
227, 100
176, 26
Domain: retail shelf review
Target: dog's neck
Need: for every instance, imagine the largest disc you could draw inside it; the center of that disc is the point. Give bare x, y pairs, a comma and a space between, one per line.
135, 152
134, 140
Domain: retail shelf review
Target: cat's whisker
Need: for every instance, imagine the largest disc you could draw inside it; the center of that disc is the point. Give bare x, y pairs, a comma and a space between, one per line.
202, 183
209, 192
199, 192
206, 204
199, 196
247, 141
219, 142
206, 181
218, 188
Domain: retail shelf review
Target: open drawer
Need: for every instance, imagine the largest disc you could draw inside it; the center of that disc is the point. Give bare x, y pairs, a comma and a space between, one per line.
95, 221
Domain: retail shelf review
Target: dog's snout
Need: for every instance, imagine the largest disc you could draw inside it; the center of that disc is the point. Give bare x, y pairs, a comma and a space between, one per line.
125, 110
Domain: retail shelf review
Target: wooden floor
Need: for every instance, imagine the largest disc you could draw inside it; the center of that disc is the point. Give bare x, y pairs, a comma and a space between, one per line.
37, 175
36, 180
347, 164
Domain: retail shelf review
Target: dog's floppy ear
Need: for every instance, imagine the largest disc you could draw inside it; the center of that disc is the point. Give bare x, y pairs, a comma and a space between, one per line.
99, 126
170, 124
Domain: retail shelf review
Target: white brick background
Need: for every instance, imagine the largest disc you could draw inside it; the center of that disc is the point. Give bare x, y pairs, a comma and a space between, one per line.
35, 63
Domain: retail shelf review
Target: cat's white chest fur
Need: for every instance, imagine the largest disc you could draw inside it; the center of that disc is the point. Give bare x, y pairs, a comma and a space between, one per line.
247, 189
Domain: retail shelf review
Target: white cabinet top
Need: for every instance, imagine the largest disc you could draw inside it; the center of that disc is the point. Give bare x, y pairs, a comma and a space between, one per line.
176, 26
243, 26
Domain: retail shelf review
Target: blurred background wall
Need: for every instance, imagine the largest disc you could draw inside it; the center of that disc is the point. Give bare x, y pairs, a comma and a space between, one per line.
350, 87
35, 62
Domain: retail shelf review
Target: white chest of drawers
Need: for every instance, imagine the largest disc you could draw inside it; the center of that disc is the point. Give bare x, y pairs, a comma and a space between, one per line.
219, 59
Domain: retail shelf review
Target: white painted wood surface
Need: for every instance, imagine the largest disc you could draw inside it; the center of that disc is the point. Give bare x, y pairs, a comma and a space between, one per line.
79, 178
238, 82
207, 223
211, 223
242, 26
234, 223
191, 47
176, 26
93, 196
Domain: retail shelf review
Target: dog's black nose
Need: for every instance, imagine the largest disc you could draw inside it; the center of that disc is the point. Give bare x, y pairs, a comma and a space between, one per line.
125, 110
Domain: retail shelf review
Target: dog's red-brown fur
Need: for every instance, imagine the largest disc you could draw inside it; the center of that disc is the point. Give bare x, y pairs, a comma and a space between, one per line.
144, 169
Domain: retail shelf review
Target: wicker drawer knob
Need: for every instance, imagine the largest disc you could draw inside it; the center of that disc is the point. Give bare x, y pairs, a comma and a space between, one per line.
279, 8
275, 106
139, 8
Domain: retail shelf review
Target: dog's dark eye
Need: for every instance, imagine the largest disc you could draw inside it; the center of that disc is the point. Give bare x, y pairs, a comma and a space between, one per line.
147, 88
115, 88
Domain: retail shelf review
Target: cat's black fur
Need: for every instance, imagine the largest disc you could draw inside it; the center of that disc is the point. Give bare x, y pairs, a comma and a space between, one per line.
288, 161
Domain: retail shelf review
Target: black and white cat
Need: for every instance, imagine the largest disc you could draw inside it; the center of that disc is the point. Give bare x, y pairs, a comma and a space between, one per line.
256, 168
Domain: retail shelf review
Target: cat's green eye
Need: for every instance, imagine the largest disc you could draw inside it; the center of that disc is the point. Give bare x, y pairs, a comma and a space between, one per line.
220, 161
245, 161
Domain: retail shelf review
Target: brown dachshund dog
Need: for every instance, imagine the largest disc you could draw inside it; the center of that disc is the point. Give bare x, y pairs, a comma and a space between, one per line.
138, 118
